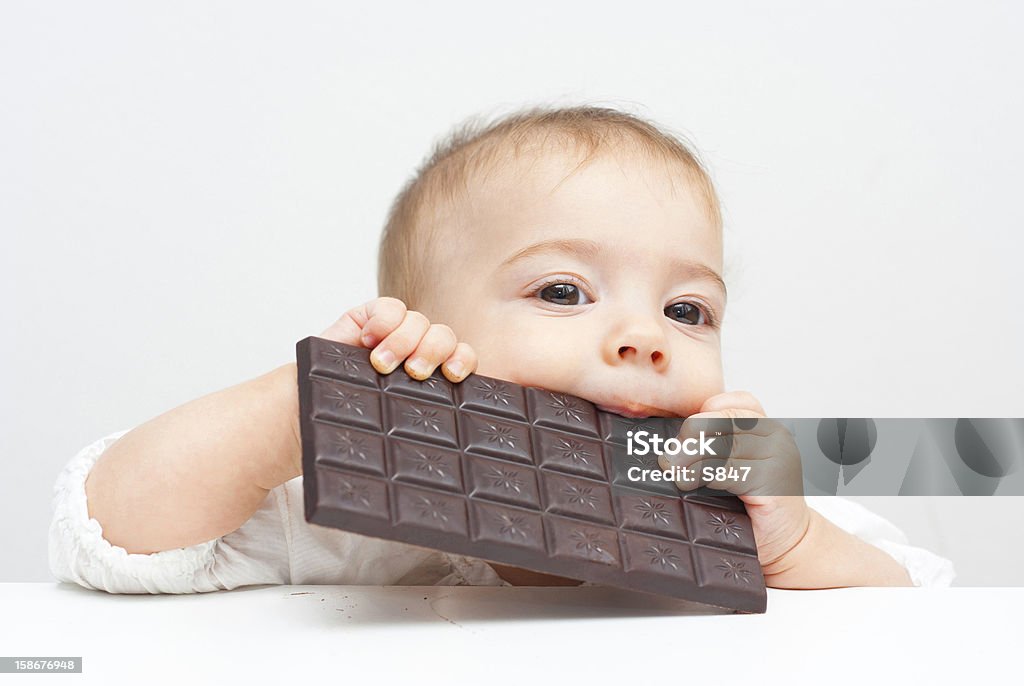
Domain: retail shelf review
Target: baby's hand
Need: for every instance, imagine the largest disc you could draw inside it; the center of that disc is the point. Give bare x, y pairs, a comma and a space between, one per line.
796, 546
395, 333
773, 491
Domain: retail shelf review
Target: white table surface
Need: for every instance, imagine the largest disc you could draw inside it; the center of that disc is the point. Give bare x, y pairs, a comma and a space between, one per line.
338, 634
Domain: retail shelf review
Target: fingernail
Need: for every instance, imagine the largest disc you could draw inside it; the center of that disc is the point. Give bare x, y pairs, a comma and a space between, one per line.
369, 340
418, 368
455, 369
384, 360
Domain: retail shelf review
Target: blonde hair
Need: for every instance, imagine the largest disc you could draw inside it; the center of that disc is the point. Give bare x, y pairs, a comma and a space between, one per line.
473, 149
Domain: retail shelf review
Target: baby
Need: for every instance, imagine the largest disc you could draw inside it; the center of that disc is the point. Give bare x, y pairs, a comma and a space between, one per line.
576, 249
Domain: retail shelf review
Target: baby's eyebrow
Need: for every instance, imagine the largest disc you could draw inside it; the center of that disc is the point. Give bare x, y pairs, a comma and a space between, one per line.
700, 271
581, 247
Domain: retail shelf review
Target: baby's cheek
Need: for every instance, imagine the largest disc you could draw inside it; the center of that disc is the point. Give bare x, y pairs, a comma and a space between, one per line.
695, 396
531, 362
701, 378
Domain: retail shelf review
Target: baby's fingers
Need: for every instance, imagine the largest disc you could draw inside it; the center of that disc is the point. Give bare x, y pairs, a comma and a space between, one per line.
382, 316
763, 460
437, 344
461, 364
400, 343
368, 323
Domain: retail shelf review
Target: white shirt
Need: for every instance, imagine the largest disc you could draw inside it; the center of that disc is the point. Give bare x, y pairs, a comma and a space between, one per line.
277, 546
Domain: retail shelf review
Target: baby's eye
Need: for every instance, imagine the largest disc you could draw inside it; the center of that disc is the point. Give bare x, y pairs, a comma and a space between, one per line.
686, 313
563, 294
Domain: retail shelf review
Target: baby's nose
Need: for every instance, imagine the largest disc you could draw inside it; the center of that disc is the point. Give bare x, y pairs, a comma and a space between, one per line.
640, 345
628, 352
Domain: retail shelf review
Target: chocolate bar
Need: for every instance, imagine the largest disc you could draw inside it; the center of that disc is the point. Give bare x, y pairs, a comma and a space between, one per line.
517, 475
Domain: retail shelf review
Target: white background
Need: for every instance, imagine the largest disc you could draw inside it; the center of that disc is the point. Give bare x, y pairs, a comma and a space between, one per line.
187, 189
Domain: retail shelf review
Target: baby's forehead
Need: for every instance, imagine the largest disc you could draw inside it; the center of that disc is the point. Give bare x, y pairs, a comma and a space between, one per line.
581, 182
542, 168
607, 209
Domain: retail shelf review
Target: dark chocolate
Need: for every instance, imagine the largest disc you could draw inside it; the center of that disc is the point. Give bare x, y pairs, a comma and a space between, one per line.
516, 475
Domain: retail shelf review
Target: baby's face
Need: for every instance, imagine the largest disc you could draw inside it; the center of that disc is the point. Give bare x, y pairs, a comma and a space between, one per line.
604, 285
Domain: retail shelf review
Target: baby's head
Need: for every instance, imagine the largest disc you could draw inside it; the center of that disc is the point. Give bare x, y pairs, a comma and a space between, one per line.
575, 249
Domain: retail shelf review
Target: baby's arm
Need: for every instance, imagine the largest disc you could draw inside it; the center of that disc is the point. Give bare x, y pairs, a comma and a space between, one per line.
201, 470
828, 557
198, 471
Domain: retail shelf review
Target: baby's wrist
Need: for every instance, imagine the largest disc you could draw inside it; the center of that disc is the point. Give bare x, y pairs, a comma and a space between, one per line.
789, 561
285, 463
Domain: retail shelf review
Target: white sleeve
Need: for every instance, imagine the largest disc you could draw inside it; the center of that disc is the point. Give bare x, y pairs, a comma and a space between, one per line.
469, 571
924, 567
256, 553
